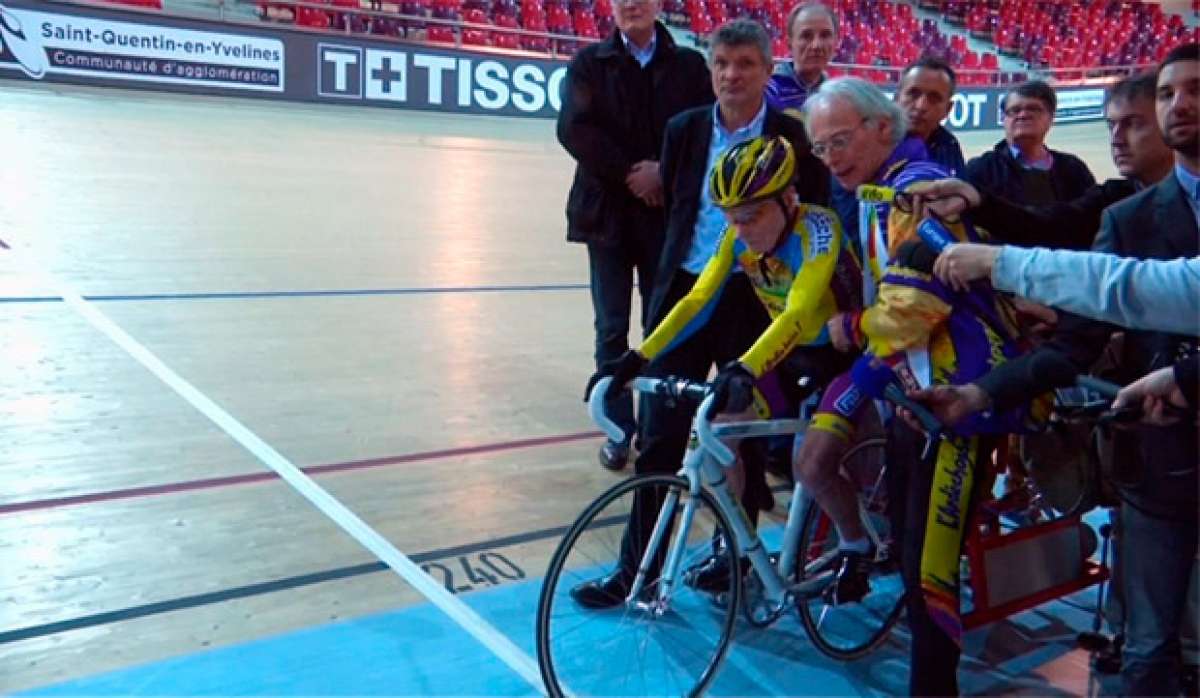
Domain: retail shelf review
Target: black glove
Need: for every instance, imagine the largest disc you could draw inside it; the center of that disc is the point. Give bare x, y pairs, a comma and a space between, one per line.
733, 390
623, 369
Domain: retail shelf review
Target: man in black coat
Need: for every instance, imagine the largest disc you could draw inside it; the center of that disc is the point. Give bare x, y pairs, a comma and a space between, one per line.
1156, 466
1139, 152
617, 98
740, 60
1021, 168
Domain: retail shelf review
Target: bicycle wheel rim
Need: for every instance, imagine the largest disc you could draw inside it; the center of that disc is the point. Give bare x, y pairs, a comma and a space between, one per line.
850, 631
627, 650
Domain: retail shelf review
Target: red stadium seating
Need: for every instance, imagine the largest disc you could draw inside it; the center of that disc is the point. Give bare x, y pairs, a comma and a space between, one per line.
878, 36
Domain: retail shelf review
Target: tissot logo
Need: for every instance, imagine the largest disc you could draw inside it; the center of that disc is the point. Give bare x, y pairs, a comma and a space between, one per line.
443, 81
24, 49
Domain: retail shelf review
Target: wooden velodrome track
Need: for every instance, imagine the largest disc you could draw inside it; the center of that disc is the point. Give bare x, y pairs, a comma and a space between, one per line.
383, 297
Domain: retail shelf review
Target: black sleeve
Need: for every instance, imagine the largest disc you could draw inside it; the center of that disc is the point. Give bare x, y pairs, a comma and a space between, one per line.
975, 172
1086, 178
668, 161
1066, 224
580, 128
1076, 345
1074, 348
701, 83
1187, 377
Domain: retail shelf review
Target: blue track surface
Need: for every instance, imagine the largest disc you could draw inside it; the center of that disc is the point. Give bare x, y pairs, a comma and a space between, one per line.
419, 651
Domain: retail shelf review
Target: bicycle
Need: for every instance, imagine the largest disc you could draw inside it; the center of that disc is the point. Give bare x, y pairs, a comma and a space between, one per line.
578, 648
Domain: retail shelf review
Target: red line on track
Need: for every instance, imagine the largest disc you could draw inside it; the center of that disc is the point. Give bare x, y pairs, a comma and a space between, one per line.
250, 478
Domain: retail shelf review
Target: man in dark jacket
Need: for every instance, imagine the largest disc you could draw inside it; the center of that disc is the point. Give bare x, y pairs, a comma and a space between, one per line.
1139, 152
740, 59
1156, 466
1021, 168
925, 93
617, 98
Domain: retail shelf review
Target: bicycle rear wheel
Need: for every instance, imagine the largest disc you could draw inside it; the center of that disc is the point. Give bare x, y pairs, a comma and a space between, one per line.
850, 631
640, 647
1061, 463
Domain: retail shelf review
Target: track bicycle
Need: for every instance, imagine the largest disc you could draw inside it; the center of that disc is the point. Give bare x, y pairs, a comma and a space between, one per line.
668, 637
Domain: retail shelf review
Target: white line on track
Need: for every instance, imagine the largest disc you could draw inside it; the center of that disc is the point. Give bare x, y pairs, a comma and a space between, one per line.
369, 538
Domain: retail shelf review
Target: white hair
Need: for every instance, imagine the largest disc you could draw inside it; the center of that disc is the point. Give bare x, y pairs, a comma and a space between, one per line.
869, 101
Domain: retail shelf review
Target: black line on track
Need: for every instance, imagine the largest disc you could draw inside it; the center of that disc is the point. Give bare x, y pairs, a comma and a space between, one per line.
284, 584
242, 592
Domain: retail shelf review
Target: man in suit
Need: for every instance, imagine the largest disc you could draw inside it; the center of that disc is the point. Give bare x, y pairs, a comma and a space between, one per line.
740, 63
617, 98
1156, 466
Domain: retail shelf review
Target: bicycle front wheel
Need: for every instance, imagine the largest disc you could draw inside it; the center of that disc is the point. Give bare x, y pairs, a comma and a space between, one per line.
851, 630
648, 645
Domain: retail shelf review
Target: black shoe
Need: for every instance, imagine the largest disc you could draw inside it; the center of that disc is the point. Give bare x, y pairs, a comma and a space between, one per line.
712, 575
614, 455
605, 592
853, 578
766, 500
1108, 660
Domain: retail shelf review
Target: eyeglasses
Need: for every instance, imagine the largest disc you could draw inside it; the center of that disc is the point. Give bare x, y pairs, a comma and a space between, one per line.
1031, 109
836, 143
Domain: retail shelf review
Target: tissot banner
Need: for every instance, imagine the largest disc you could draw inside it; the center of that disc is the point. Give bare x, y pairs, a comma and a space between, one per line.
64, 42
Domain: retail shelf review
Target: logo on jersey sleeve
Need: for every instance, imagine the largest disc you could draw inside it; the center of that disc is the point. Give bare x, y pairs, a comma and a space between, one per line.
820, 233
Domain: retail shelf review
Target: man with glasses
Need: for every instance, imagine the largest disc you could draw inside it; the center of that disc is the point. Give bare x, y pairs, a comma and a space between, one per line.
924, 93
1021, 168
617, 98
924, 333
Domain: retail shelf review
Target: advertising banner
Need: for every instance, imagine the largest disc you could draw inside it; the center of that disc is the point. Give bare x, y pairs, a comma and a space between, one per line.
429, 79
56, 40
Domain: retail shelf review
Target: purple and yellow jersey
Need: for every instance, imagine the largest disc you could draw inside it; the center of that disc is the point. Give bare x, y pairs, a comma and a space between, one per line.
882, 227
967, 334
810, 277
786, 93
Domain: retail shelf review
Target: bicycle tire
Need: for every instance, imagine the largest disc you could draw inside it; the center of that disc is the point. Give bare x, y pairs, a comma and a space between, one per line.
1070, 488
888, 614
550, 655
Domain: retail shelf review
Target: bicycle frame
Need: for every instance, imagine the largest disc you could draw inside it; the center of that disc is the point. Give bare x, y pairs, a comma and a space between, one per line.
704, 466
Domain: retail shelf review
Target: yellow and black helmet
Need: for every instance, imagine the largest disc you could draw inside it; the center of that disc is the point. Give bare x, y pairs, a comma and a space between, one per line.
751, 171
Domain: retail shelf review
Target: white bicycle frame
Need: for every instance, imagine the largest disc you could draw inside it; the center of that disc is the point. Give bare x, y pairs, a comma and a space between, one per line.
704, 465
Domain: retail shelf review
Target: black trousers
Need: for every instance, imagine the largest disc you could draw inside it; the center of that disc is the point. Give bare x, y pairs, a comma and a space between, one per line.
612, 268
934, 655
737, 321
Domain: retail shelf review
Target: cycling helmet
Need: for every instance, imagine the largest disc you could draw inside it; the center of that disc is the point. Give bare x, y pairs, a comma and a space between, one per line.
753, 170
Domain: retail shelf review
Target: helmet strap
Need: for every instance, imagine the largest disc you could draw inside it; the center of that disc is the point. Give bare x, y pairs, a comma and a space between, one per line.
789, 223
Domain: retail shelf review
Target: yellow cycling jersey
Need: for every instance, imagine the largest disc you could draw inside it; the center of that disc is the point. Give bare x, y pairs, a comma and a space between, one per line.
807, 279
